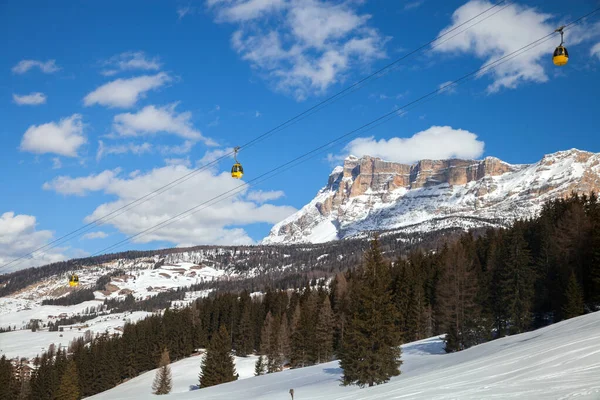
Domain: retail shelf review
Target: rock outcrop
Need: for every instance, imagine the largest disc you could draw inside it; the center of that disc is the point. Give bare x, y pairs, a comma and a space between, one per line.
368, 193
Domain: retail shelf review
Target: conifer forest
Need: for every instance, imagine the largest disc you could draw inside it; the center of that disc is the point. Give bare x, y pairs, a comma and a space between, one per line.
474, 287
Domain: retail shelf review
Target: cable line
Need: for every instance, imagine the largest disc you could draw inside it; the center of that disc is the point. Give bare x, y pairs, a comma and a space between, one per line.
310, 111
370, 125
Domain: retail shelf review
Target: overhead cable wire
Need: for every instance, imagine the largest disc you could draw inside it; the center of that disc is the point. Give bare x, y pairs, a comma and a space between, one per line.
310, 111
368, 126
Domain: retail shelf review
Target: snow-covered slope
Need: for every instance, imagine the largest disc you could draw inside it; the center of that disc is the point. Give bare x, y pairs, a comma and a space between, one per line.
557, 362
28, 344
371, 194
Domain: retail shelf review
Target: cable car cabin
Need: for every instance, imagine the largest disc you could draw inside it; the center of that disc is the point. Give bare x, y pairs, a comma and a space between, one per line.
74, 280
561, 56
237, 171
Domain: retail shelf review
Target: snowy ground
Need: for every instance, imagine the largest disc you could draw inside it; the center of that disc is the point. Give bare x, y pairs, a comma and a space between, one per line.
557, 362
185, 374
25, 343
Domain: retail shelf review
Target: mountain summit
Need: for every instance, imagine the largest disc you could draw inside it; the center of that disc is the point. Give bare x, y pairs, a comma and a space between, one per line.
367, 194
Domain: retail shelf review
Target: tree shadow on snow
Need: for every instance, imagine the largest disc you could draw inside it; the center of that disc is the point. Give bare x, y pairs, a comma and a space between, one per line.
432, 346
333, 371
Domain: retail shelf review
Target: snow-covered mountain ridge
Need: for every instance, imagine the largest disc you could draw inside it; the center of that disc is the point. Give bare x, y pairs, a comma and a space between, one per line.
370, 194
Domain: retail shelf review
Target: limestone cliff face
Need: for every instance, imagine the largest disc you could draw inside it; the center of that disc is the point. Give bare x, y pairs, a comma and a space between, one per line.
370, 175
368, 193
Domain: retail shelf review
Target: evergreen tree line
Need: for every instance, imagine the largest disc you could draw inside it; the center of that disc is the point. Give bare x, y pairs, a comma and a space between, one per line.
266, 260
473, 289
506, 281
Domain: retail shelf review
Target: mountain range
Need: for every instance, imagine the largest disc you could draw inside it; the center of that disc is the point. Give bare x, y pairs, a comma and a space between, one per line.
370, 194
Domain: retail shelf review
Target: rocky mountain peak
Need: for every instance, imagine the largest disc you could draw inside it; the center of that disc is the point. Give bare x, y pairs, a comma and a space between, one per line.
368, 193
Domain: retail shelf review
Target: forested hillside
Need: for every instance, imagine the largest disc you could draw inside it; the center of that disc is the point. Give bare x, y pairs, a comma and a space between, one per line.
474, 289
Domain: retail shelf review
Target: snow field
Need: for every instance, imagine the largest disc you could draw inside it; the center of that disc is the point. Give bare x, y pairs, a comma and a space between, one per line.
561, 361
25, 343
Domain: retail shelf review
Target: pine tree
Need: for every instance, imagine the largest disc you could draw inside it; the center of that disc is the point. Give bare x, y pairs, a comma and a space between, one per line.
162, 380
217, 366
371, 349
274, 357
458, 312
259, 367
516, 281
9, 387
573, 306
297, 340
245, 343
340, 306
266, 336
324, 332
284, 340
69, 383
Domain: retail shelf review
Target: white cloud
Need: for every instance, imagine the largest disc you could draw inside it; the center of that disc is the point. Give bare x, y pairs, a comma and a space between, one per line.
56, 163
32, 99
125, 93
178, 161
213, 155
151, 120
260, 197
447, 87
130, 60
182, 11
413, 4
95, 235
183, 148
210, 225
435, 143
18, 236
132, 148
506, 32
47, 67
246, 10
142, 148
81, 186
595, 51
312, 45
62, 138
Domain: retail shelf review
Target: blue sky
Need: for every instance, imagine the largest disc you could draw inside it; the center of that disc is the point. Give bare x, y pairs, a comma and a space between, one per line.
104, 102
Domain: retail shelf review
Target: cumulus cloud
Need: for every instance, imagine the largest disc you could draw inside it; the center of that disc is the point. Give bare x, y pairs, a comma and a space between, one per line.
595, 50
83, 185
47, 67
95, 235
260, 197
178, 161
151, 120
124, 93
130, 60
183, 148
213, 155
142, 148
133, 148
62, 138
504, 33
32, 99
56, 163
19, 236
217, 224
312, 45
241, 11
435, 143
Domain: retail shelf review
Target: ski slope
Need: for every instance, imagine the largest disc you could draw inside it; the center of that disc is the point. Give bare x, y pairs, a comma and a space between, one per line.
561, 361
28, 344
